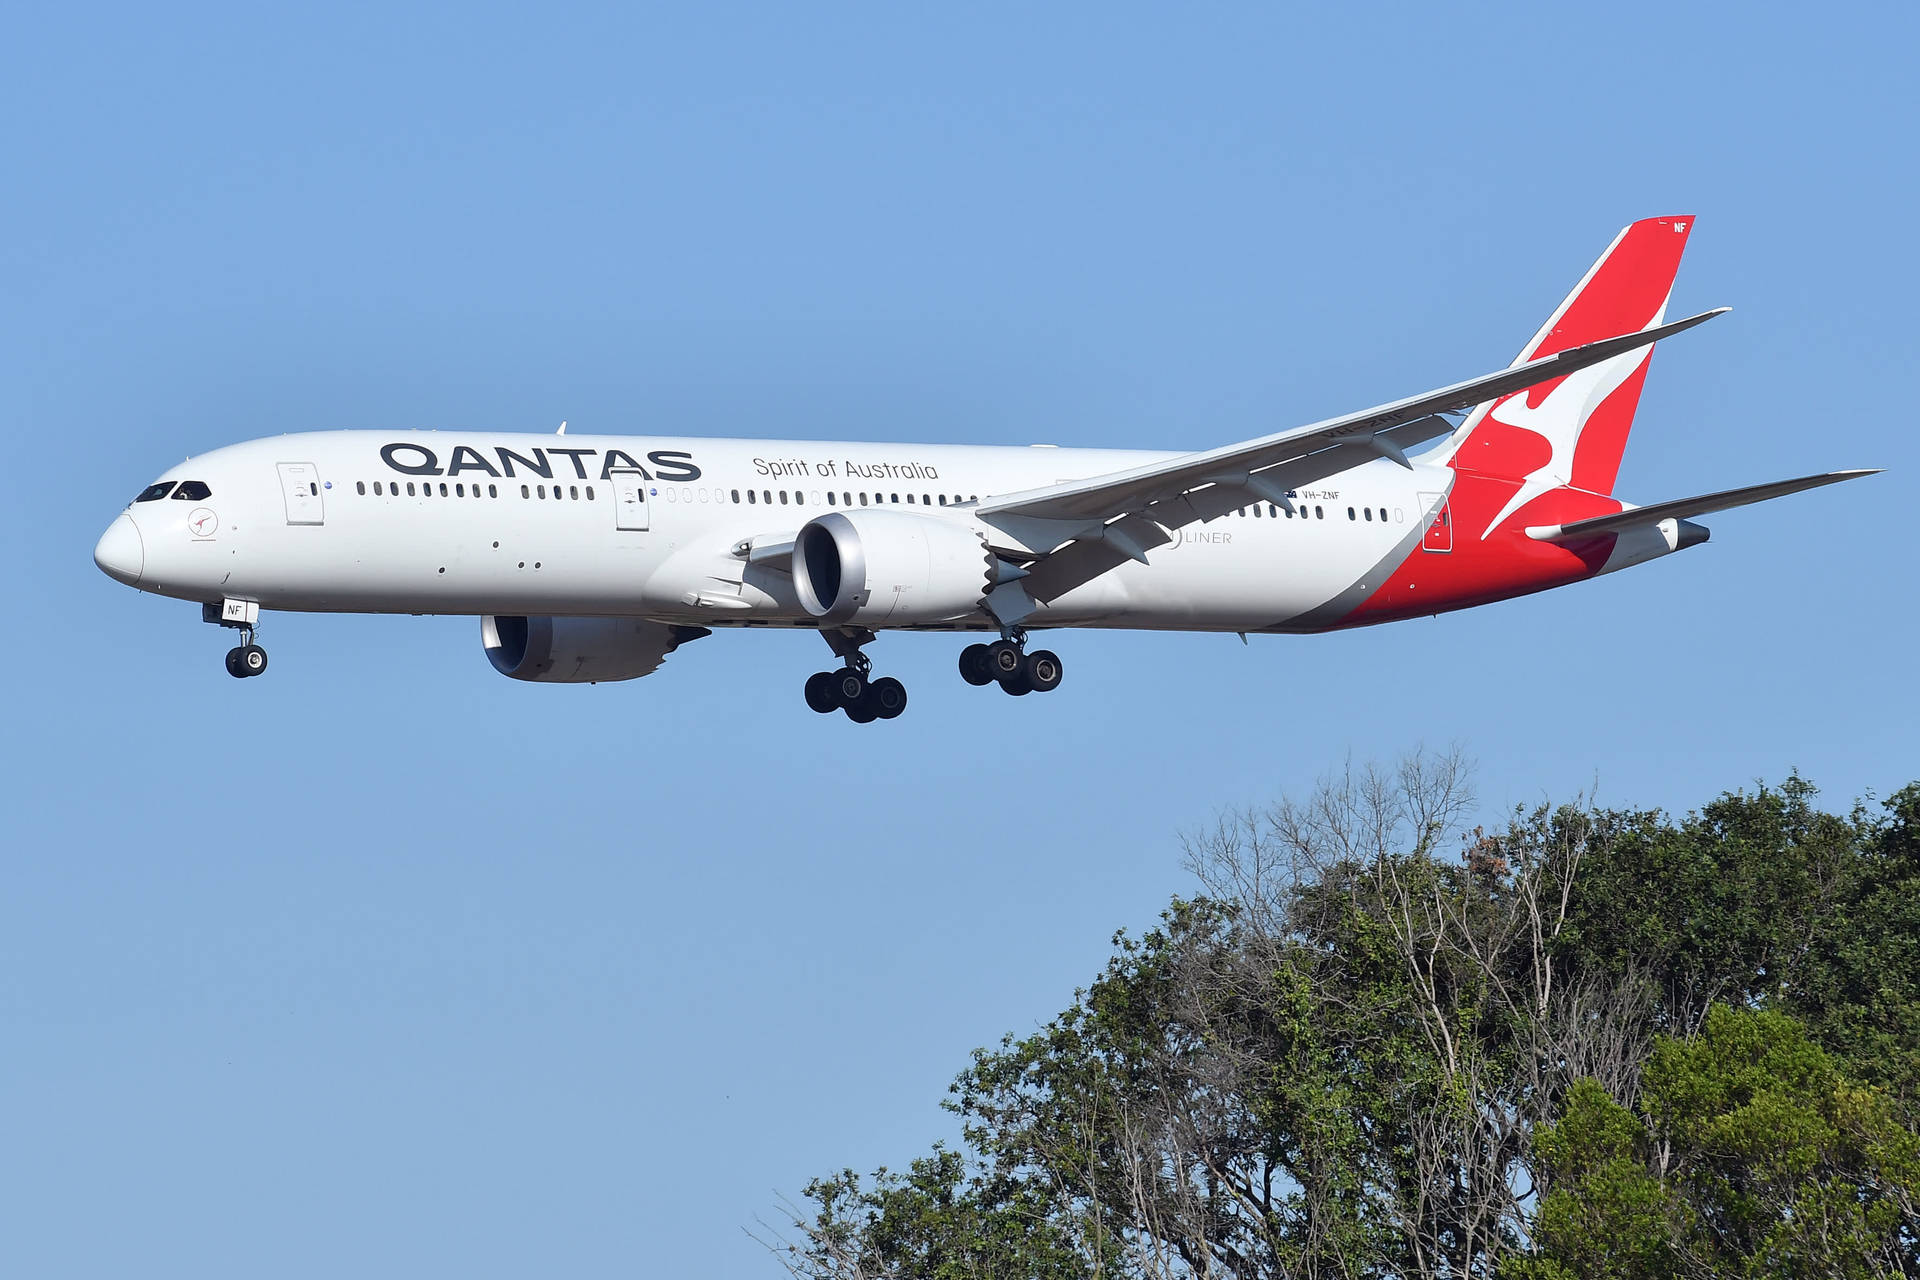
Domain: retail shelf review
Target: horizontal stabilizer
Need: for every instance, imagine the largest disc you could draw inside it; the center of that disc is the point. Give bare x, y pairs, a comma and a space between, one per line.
1683, 508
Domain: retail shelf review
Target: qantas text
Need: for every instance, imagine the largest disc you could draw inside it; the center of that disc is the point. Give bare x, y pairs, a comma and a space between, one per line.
418, 460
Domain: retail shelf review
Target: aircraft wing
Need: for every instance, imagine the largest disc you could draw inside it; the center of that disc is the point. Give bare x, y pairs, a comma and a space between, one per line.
1265, 468
1683, 508
1079, 529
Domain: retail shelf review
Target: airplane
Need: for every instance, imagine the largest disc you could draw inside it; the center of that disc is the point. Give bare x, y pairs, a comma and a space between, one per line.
591, 558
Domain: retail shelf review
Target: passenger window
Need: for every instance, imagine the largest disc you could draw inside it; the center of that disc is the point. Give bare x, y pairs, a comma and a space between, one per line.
573, 491
459, 491
783, 497
1319, 513
1369, 515
943, 499
925, 501
895, 497
589, 493
409, 488
360, 486
154, 491
735, 492
493, 491
749, 495
377, 490
524, 492
766, 497
863, 499
542, 489
192, 491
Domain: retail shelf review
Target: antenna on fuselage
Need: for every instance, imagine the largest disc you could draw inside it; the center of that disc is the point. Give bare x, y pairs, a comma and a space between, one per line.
563, 428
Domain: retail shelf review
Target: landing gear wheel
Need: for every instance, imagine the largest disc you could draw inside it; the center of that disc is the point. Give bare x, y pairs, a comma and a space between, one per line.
234, 668
821, 695
1019, 684
1043, 670
849, 687
973, 665
887, 697
253, 660
862, 711
1004, 660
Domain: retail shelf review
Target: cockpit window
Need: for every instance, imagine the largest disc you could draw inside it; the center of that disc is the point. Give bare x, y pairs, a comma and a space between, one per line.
192, 491
153, 491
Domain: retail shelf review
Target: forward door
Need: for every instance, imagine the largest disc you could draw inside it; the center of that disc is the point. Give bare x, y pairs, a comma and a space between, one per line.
629, 498
300, 486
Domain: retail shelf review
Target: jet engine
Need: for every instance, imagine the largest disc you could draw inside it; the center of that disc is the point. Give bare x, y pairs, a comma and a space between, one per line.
580, 650
870, 567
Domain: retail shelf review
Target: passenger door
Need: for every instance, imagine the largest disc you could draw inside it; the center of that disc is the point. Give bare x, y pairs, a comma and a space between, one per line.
629, 498
300, 486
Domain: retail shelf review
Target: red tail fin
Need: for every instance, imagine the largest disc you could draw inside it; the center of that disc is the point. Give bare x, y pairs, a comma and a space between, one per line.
1573, 431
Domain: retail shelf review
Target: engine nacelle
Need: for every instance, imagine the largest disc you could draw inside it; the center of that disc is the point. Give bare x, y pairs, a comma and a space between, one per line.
579, 650
871, 567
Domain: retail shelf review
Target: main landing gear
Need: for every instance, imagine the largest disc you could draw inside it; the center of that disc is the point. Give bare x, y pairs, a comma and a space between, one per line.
851, 689
246, 658
1007, 661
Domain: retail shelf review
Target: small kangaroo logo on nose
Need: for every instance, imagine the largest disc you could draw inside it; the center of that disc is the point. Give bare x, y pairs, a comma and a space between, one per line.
202, 521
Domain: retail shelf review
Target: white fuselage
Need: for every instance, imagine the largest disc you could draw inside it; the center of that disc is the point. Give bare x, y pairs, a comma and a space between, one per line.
658, 527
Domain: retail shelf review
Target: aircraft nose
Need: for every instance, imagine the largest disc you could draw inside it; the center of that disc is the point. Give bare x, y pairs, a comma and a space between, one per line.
120, 553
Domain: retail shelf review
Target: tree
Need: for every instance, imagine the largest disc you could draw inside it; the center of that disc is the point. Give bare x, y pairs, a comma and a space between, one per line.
1383, 1045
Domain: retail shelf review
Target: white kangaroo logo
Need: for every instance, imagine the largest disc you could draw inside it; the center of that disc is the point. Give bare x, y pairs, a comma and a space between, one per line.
1559, 420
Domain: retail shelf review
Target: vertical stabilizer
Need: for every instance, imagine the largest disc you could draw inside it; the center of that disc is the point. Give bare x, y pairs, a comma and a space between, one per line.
1571, 432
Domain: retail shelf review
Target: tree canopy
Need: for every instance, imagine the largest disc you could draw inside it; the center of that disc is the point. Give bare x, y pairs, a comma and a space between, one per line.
1591, 1042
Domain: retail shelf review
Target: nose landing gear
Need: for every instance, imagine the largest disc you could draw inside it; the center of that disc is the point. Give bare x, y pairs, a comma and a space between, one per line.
1007, 662
851, 689
246, 658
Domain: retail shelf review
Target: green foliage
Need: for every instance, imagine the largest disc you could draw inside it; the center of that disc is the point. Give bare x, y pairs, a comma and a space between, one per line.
938, 1221
1859, 988
1608, 1214
1752, 1155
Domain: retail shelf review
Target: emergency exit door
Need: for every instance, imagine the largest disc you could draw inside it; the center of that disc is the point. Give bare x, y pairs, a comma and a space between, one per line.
300, 486
629, 499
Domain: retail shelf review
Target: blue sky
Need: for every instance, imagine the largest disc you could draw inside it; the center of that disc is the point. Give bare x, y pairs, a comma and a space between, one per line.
384, 963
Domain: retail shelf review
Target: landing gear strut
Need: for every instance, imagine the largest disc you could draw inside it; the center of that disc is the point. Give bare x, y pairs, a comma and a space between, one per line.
246, 658
851, 689
1007, 662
